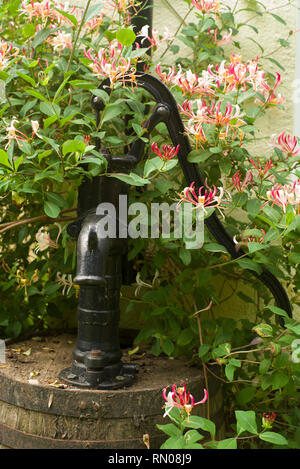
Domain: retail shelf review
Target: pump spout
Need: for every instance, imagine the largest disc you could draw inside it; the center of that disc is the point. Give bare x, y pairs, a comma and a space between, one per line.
92, 253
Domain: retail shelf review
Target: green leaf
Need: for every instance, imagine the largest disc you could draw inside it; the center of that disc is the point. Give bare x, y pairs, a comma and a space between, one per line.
202, 423
263, 330
278, 311
170, 429
244, 396
272, 213
71, 18
225, 165
26, 78
167, 347
173, 443
4, 159
229, 371
272, 437
246, 421
192, 436
101, 94
49, 109
17, 162
275, 62
36, 94
51, 209
214, 247
264, 366
221, 350
198, 156
279, 380
154, 164
230, 443
185, 256
132, 179
49, 121
254, 247
215, 150
126, 36
249, 265
56, 199
73, 146
203, 349
111, 111
40, 37
14, 329
277, 18
185, 337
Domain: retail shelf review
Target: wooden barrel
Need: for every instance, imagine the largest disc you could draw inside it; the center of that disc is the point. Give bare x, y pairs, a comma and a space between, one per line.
36, 412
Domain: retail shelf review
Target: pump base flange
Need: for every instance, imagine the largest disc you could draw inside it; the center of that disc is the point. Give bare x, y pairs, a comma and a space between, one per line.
79, 376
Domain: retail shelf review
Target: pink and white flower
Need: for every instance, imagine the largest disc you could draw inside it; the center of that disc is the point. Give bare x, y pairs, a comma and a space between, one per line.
168, 151
60, 41
111, 66
204, 197
261, 170
239, 184
286, 195
181, 399
206, 6
154, 38
286, 143
225, 39
6, 52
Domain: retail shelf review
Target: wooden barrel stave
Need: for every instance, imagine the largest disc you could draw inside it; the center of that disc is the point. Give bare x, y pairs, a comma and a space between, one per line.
41, 416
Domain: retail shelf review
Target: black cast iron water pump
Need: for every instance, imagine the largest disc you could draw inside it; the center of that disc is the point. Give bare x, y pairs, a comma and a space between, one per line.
97, 356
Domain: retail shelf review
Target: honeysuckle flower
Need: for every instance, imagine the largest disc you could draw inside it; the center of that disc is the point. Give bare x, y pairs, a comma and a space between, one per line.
257, 237
94, 23
181, 399
196, 131
141, 284
154, 38
47, 9
238, 183
235, 75
190, 83
206, 6
286, 195
286, 143
218, 117
35, 127
44, 240
60, 41
166, 77
13, 133
7, 52
110, 67
225, 39
168, 151
201, 114
261, 170
204, 197
122, 7
269, 93
66, 281
43, 9
268, 419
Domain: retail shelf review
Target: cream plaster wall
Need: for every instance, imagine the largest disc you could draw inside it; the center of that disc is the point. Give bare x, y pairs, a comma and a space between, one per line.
169, 13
